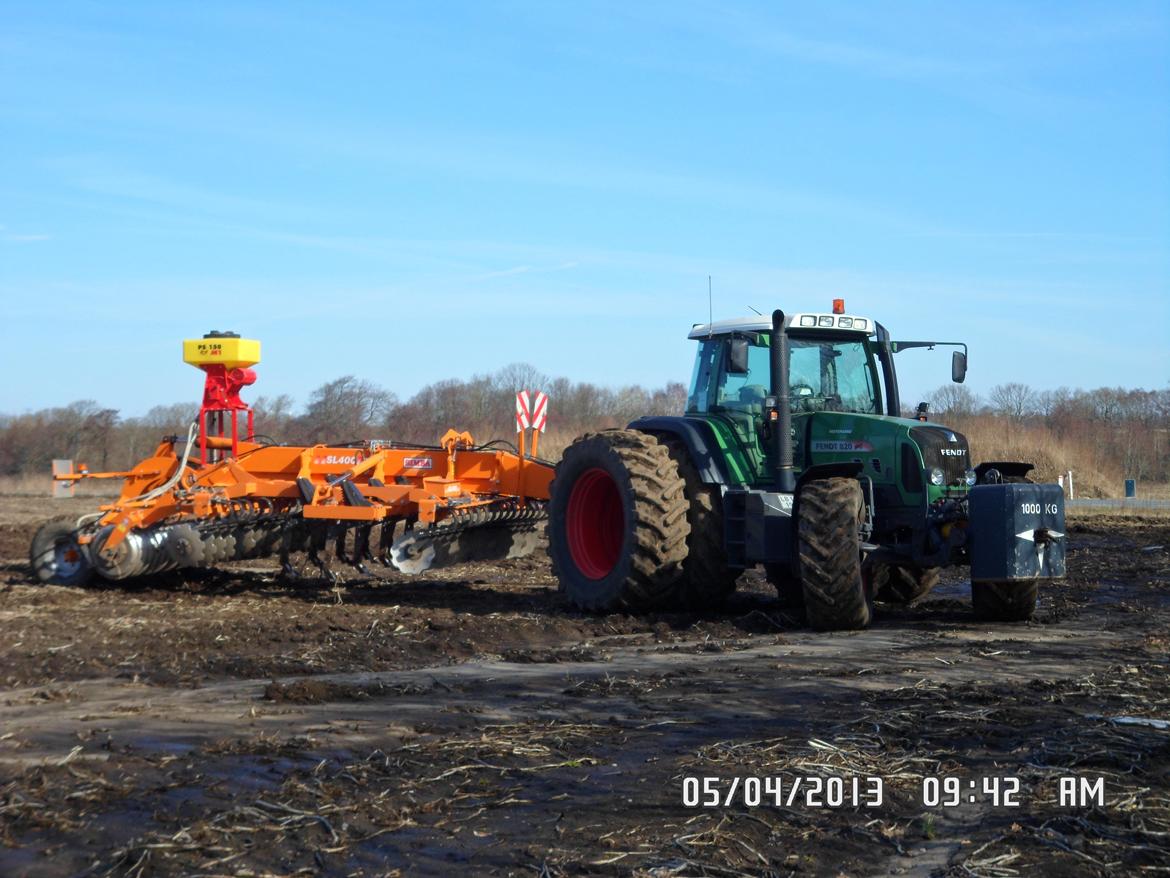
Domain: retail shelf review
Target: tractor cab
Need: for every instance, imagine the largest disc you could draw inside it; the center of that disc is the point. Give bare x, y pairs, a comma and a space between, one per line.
839, 364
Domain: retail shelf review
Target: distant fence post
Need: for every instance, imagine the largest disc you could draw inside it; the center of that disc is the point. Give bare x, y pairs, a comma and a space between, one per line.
64, 488
1071, 494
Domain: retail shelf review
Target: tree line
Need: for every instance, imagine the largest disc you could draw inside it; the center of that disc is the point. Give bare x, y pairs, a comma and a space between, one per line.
1114, 432
343, 410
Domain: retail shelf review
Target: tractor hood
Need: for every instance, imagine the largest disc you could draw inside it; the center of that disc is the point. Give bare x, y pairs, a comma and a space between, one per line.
944, 449
891, 450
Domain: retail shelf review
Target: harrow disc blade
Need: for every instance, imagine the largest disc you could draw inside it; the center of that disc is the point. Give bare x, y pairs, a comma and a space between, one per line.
415, 553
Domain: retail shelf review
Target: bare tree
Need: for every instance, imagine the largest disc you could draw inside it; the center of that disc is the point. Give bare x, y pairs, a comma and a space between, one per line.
1049, 402
345, 409
670, 400
520, 376
273, 414
955, 400
175, 418
1014, 400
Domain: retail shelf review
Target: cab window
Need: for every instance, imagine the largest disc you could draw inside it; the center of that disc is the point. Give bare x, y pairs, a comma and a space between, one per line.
832, 375
824, 375
714, 389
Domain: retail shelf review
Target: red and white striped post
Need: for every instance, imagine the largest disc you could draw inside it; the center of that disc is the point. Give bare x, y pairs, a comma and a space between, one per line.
523, 419
539, 417
531, 411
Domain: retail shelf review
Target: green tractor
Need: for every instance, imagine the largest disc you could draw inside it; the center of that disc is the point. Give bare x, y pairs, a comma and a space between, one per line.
793, 454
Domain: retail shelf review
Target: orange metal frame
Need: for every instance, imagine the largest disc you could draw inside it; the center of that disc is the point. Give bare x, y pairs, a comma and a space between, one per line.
415, 483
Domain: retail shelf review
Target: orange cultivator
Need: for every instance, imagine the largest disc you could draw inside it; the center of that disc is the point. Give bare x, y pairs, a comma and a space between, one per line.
229, 497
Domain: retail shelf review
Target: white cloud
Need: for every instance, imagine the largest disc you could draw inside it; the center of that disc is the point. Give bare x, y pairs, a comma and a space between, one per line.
21, 237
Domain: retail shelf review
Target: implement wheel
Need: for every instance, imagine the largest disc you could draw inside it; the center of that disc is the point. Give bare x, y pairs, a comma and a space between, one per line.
830, 554
185, 546
1004, 601
56, 556
617, 526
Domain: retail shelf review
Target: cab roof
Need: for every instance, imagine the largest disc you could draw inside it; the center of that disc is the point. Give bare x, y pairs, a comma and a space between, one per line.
808, 321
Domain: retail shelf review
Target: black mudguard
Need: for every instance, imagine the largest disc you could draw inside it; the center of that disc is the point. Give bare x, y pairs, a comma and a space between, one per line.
699, 438
1009, 469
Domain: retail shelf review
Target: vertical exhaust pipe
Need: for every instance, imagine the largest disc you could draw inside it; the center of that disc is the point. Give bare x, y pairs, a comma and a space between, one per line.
778, 361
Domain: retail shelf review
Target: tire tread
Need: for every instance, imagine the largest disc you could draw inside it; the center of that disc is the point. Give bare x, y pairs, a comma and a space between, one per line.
707, 577
658, 505
1005, 601
830, 559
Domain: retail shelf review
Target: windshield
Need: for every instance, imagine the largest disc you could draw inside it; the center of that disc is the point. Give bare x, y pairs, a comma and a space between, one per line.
824, 375
831, 375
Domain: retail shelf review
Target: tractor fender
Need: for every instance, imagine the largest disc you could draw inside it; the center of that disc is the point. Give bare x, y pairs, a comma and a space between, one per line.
699, 439
842, 469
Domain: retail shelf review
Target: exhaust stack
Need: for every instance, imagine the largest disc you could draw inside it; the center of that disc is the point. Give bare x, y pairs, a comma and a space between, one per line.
782, 433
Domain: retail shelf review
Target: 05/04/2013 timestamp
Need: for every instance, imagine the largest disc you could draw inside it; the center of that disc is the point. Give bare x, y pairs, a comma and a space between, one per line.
949, 791
782, 792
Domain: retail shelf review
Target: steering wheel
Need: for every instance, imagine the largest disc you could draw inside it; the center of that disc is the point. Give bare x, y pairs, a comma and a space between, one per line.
804, 398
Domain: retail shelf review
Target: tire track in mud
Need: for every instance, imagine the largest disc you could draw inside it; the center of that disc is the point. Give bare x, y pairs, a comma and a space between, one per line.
793, 673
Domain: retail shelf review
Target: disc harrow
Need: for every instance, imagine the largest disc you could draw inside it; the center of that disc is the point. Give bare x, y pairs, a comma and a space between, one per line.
230, 497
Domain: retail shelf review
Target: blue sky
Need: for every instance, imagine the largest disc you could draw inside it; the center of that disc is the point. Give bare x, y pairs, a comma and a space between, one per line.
415, 191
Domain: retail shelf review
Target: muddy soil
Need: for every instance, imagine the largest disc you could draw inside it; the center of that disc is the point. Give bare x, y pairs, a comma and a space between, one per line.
468, 721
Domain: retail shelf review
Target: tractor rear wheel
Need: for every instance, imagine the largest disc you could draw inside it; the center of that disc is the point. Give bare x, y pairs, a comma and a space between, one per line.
901, 585
56, 556
835, 596
618, 526
707, 578
1004, 601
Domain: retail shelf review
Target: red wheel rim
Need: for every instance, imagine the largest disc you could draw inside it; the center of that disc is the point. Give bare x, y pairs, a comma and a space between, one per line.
594, 523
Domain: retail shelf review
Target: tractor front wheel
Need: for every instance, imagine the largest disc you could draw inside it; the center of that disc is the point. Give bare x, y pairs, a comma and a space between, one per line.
618, 526
828, 515
1004, 601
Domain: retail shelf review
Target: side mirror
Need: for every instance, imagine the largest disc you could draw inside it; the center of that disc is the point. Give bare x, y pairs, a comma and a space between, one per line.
958, 367
737, 357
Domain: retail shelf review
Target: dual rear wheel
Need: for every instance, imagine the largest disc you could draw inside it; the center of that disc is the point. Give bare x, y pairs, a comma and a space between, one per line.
631, 526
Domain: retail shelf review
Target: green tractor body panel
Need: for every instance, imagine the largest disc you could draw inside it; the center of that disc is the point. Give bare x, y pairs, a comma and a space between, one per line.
875, 441
740, 456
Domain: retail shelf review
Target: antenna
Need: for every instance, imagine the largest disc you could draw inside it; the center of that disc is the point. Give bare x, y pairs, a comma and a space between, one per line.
710, 309
758, 312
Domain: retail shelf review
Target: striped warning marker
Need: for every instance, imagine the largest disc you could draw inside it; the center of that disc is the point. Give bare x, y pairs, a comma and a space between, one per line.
540, 411
523, 418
